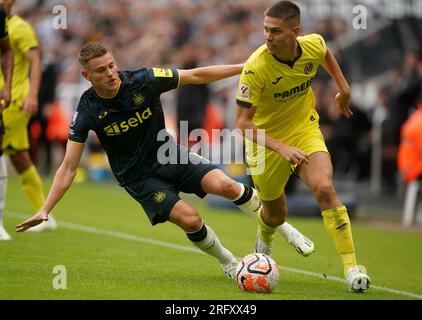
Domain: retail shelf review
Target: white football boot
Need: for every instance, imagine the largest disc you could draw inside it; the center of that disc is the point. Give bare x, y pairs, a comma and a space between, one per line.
303, 245
50, 224
357, 279
230, 268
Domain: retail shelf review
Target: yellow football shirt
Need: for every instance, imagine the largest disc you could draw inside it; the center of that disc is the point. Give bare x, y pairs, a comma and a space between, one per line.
282, 93
22, 38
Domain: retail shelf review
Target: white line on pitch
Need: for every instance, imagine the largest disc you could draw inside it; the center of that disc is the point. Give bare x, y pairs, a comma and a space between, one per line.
126, 236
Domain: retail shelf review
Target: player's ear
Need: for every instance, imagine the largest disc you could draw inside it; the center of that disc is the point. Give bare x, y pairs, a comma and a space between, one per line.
296, 30
85, 74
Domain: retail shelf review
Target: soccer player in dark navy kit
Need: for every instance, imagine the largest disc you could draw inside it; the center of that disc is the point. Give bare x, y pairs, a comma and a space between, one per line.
123, 108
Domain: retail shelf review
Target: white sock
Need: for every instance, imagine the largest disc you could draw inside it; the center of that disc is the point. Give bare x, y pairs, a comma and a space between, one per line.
3, 187
251, 206
242, 190
211, 245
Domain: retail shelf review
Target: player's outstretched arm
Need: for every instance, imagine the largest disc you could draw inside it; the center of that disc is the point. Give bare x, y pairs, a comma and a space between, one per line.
208, 74
61, 182
244, 122
343, 96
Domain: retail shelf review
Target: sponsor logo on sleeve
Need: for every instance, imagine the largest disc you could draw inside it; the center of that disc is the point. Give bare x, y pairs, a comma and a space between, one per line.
75, 115
244, 91
162, 73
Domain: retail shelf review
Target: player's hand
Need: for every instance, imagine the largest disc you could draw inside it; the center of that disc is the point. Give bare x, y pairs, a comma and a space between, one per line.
293, 155
4, 99
30, 106
342, 100
32, 222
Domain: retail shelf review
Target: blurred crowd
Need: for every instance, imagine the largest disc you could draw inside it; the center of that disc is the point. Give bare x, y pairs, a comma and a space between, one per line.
191, 33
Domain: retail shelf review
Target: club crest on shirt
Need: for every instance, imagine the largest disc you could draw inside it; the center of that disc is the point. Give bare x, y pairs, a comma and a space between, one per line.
138, 99
308, 68
159, 196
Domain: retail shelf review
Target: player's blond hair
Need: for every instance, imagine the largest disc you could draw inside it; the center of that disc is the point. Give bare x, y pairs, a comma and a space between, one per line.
285, 10
90, 51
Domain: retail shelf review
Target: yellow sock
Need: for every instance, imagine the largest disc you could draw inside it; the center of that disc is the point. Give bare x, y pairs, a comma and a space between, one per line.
32, 185
337, 224
266, 232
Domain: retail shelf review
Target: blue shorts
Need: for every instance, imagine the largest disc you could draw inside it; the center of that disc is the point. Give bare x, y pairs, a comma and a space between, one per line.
158, 192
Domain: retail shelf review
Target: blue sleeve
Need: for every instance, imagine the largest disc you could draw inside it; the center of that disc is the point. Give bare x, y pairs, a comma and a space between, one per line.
80, 126
162, 80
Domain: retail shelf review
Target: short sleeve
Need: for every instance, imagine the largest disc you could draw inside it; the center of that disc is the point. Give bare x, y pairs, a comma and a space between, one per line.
163, 80
250, 87
25, 37
80, 126
321, 45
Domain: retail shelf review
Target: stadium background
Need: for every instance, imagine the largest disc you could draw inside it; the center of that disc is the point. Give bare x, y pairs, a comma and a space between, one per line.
381, 62
380, 57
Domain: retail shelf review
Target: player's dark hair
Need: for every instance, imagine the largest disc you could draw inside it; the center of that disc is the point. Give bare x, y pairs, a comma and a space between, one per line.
285, 10
90, 51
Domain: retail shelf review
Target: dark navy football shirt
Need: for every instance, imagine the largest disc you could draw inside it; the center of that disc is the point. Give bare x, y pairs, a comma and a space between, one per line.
127, 125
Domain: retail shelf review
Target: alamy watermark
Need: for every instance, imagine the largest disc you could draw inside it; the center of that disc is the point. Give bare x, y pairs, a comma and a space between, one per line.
60, 17
389, 9
60, 280
360, 20
223, 147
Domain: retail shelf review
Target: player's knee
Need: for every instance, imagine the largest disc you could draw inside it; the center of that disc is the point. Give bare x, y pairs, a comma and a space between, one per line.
21, 161
274, 221
191, 221
229, 188
324, 191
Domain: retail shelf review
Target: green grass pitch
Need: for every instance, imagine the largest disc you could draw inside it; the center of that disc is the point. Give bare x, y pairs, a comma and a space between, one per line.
110, 251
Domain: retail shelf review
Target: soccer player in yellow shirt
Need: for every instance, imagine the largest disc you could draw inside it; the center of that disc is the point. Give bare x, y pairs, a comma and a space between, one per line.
275, 95
23, 105
5, 95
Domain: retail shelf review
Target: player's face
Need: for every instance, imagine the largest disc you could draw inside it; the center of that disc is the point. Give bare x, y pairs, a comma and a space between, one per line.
278, 34
102, 72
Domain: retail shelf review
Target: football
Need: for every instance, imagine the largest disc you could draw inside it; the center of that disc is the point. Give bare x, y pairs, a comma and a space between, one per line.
257, 272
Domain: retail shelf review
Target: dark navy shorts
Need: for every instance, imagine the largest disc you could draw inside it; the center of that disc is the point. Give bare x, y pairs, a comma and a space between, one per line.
159, 191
